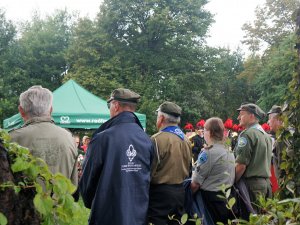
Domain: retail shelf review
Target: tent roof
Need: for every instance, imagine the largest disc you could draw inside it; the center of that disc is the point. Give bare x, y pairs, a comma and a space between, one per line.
74, 107
71, 98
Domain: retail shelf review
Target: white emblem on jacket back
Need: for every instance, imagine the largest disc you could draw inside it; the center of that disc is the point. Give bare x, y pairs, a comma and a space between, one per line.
131, 153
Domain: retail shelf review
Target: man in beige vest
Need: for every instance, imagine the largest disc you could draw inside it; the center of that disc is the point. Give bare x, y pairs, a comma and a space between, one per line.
42, 137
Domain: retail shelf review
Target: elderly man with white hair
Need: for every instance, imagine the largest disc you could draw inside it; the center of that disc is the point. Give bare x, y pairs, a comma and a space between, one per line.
42, 137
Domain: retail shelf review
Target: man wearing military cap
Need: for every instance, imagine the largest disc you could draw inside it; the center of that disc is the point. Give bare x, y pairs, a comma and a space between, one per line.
253, 153
116, 172
171, 165
275, 122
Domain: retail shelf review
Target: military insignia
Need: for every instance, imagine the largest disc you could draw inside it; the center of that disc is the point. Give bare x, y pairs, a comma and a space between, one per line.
202, 158
242, 142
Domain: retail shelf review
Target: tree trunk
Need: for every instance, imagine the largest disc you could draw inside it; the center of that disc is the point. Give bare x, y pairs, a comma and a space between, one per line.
17, 207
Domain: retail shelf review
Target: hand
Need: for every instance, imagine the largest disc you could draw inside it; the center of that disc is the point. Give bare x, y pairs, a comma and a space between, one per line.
194, 186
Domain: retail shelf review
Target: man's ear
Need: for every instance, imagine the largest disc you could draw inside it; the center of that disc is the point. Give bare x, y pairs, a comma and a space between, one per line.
23, 114
116, 106
160, 120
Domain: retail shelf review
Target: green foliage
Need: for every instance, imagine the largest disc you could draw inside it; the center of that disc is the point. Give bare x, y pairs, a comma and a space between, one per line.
274, 22
154, 47
3, 220
53, 198
273, 78
42, 45
37, 57
7, 32
290, 134
270, 73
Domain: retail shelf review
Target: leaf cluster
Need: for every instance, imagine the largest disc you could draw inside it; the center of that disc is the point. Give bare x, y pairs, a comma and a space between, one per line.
53, 192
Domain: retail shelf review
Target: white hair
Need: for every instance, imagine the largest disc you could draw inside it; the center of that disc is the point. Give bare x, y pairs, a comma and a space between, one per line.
169, 118
36, 101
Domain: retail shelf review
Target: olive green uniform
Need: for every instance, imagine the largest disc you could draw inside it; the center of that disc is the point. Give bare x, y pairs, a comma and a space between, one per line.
254, 149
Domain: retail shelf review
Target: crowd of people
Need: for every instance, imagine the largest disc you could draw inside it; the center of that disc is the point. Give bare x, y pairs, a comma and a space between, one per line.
129, 178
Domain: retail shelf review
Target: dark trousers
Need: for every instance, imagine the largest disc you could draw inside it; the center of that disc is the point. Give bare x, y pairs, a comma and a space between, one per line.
216, 206
164, 200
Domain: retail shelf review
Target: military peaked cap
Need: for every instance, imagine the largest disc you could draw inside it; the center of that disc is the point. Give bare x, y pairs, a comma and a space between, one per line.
124, 95
170, 108
275, 109
252, 108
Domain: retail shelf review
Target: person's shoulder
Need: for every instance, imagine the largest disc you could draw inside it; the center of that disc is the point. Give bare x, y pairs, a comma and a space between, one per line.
15, 130
249, 133
216, 147
156, 135
61, 129
19, 132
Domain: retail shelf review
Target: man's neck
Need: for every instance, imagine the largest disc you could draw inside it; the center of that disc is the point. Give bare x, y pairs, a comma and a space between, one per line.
251, 124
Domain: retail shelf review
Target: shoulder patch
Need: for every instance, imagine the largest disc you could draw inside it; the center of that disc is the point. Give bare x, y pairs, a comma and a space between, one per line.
242, 142
202, 157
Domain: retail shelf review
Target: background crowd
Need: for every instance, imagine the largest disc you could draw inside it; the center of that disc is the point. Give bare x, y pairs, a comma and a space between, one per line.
144, 179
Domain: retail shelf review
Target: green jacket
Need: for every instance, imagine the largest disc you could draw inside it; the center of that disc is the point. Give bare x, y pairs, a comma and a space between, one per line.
254, 149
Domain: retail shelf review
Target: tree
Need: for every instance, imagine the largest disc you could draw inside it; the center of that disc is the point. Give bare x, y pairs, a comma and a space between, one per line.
290, 135
91, 61
274, 76
7, 40
270, 71
273, 23
43, 44
37, 57
149, 46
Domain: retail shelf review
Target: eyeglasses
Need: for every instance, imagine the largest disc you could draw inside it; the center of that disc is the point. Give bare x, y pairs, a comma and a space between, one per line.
109, 104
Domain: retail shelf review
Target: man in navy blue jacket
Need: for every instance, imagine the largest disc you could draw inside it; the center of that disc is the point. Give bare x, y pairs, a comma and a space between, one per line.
116, 172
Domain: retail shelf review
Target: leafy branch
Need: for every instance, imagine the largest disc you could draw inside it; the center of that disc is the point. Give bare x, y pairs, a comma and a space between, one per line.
53, 192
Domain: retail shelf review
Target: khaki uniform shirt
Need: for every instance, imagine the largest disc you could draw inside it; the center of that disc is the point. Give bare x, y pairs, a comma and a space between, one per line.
215, 166
172, 161
53, 144
254, 149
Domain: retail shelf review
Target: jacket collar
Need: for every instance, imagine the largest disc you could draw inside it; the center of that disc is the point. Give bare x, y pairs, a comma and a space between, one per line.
123, 117
41, 119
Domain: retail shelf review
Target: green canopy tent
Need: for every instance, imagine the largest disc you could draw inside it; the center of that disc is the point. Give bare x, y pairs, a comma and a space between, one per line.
74, 107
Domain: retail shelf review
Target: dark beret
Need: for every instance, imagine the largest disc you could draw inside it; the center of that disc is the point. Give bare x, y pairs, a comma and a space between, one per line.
170, 108
252, 108
124, 95
275, 109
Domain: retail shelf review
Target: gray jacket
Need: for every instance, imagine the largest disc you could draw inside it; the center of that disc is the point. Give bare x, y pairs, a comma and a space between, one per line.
215, 166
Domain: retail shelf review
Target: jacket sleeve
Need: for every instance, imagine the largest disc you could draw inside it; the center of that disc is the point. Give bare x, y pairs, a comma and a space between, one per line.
155, 157
74, 175
92, 168
203, 168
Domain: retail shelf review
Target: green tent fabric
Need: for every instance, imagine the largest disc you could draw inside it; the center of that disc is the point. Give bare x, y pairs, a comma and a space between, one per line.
74, 107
